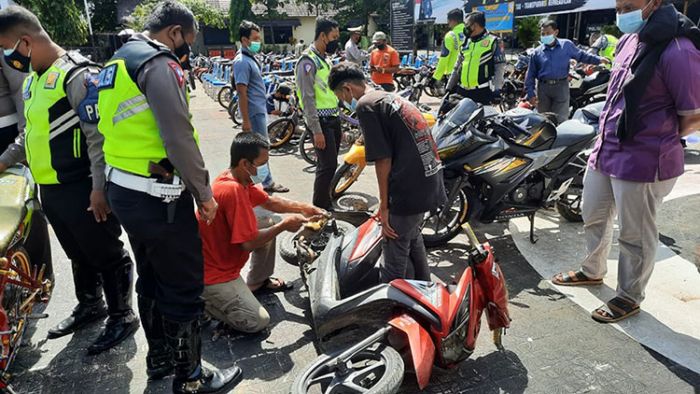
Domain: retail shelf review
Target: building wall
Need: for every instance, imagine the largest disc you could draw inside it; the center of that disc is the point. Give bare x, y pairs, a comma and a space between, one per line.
306, 30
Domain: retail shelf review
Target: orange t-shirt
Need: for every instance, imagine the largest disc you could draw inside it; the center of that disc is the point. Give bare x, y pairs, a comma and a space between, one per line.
233, 225
384, 58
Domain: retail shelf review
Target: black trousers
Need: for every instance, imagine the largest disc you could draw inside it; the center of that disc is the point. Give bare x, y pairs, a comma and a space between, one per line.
327, 162
91, 247
168, 256
483, 96
7, 136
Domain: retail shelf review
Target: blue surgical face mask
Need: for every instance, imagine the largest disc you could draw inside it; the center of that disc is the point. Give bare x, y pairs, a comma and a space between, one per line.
631, 22
352, 105
261, 173
547, 39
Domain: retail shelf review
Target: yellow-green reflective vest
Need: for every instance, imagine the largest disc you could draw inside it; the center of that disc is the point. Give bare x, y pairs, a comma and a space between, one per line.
454, 39
326, 100
54, 142
478, 64
609, 51
132, 137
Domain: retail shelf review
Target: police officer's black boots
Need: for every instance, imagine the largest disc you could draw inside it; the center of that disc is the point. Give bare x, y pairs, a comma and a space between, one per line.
190, 375
159, 361
90, 308
122, 321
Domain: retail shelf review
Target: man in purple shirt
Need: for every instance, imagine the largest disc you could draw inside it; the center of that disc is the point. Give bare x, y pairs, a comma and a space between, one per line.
652, 101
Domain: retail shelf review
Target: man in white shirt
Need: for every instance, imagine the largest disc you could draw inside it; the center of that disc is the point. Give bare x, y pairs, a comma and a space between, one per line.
353, 53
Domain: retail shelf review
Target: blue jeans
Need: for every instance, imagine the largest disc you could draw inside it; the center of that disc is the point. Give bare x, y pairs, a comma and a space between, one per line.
258, 124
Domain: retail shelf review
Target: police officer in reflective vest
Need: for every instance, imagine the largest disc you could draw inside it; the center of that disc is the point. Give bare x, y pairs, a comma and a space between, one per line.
321, 106
64, 152
155, 173
454, 39
480, 61
605, 46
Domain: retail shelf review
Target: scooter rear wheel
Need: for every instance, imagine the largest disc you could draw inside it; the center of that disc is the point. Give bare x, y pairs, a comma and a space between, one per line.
378, 369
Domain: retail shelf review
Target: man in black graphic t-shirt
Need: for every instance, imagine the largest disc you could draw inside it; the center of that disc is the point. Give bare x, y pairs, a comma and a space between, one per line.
398, 141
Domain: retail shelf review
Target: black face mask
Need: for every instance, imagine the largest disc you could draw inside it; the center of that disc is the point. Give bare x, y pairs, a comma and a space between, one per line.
332, 46
381, 46
183, 54
17, 61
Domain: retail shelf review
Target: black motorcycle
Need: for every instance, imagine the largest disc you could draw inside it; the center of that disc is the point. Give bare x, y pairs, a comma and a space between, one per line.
591, 90
504, 166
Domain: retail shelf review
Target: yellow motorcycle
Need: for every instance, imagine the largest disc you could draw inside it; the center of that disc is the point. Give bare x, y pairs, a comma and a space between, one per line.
354, 163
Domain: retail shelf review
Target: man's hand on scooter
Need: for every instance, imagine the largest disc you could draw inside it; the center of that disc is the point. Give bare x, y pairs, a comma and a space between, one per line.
293, 223
387, 230
314, 213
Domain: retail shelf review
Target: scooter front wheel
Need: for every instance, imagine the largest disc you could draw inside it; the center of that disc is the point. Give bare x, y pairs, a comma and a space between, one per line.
377, 369
343, 178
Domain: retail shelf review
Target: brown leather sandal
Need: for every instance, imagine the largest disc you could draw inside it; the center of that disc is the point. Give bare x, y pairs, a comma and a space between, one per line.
615, 310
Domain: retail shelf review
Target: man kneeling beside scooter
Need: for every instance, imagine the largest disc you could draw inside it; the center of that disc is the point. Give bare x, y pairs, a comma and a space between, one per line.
235, 234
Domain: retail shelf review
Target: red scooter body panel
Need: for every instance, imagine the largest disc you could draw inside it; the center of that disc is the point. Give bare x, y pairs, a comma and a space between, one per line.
495, 293
365, 242
422, 347
440, 302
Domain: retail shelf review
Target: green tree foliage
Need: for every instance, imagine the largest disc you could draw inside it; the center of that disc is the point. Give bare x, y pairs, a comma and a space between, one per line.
62, 19
205, 13
104, 16
361, 9
238, 11
528, 31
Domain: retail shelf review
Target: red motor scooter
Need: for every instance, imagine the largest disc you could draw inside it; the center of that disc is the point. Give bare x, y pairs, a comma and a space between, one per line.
429, 323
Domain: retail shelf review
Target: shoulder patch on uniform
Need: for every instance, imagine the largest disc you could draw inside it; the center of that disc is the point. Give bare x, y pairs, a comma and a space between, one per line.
27, 93
51, 79
87, 109
486, 43
179, 74
106, 77
307, 67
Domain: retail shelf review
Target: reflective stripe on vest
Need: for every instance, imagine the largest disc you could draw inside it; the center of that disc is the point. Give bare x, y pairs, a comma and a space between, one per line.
132, 137
478, 57
54, 142
325, 98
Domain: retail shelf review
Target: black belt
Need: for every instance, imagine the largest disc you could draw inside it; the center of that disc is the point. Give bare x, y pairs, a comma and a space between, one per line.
553, 81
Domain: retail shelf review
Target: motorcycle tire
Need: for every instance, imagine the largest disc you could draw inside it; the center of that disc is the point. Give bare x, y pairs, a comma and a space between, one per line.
454, 226
280, 132
235, 113
306, 148
346, 175
224, 96
388, 383
565, 208
288, 250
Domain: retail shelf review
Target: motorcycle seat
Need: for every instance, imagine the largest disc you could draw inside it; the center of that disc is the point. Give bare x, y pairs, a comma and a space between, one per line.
572, 132
592, 111
13, 192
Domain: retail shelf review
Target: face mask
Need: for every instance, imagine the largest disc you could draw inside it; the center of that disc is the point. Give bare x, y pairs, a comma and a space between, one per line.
183, 54
16, 60
631, 22
332, 46
352, 105
547, 39
255, 46
381, 46
261, 173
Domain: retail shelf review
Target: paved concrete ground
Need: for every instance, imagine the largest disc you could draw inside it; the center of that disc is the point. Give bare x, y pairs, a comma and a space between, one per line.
553, 346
